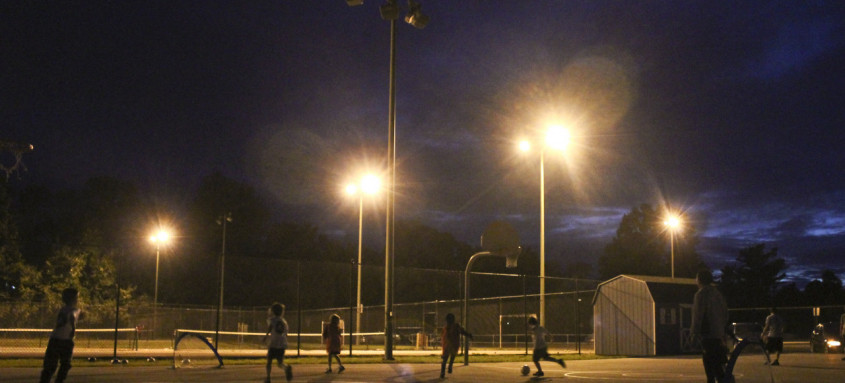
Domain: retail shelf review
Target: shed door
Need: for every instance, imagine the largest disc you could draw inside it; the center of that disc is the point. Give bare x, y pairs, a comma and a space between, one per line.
684, 328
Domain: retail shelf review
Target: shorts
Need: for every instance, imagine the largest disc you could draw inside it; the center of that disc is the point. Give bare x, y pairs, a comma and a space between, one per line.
774, 344
275, 353
541, 353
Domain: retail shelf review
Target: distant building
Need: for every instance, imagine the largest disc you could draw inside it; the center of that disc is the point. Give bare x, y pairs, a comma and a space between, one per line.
639, 315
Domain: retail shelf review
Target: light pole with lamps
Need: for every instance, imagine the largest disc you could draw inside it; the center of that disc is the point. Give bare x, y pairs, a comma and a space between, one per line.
369, 184
390, 12
557, 138
158, 238
221, 221
672, 223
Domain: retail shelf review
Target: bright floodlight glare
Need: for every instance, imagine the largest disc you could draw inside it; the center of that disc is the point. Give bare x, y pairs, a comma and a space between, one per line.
351, 189
370, 184
415, 16
557, 137
524, 146
672, 222
160, 236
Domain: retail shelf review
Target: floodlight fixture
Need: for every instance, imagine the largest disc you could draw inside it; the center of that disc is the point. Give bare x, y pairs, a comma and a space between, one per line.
389, 11
415, 16
524, 146
353, 3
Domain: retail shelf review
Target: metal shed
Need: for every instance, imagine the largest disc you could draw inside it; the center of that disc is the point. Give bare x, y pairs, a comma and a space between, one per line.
640, 315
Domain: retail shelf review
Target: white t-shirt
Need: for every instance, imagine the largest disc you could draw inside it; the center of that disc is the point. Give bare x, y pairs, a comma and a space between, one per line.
539, 334
66, 323
278, 330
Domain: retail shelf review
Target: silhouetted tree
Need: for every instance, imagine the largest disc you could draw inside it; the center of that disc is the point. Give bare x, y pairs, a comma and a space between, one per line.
641, 246
827, 291
752, 280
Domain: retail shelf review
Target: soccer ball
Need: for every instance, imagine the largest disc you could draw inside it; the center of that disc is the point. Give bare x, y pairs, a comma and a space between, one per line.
151, 359
525, 370
186, 361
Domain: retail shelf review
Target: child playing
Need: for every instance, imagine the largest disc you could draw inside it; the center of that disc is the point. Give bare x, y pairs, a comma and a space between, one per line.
277, 331
333, 338
541, 348
60, 345
450, 337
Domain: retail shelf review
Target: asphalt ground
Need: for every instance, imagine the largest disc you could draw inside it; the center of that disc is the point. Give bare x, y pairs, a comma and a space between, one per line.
797, 367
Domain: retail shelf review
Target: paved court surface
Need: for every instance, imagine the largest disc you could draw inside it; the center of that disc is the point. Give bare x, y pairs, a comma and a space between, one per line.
820, 368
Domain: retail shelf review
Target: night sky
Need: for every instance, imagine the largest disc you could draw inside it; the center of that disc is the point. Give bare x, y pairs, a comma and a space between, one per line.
730, 111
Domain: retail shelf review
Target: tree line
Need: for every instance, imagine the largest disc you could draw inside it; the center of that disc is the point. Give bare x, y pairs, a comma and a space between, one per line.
755, 278
97, 236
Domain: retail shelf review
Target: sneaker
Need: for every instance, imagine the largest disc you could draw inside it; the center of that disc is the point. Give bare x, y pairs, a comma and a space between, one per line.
339, 370
539, 374
450, 369
561, 363
288, 373
267, 380
328, 371
776, 363
442, 376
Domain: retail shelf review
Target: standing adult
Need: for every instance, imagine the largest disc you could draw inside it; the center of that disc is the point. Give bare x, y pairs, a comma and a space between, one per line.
773, 335
709, 318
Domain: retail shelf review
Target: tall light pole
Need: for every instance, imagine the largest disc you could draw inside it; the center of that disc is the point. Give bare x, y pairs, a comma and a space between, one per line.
557, 138
369, 185
672, 223
158, 238
221, 221
390, 12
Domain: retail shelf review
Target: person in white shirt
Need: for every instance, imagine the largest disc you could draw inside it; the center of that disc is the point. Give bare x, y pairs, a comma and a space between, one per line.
773, 335
277, 332
60, 345
541, 348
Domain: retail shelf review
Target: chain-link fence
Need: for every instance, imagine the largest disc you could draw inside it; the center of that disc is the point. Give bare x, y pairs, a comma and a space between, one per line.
499, 305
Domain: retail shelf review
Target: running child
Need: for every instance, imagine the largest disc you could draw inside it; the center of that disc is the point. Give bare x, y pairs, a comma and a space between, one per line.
277, 331
333, 338
60, 345
450, 337
541, 348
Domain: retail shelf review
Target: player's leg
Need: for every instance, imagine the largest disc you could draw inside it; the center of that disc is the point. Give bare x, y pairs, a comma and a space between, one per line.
452, 360
536, 358
269, 364
288, 369
330, 364
443, 359
65, 357
556, 360
339, 363
51, 362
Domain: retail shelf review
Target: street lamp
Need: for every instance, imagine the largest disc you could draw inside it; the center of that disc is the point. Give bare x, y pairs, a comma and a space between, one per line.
390, 12
222, 220
557, 138
672, 223
161, 237
369, 184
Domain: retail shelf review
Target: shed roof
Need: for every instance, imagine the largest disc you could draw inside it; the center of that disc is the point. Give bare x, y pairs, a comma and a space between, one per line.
662, 289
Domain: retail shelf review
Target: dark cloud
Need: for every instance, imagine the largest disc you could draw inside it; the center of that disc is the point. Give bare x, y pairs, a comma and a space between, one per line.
730, 111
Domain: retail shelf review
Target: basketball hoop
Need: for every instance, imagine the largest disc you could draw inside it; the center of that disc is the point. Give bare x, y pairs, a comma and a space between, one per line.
17, 149
501, 239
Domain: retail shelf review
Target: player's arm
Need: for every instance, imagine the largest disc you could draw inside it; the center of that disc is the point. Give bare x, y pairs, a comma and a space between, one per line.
697, 313
464, 332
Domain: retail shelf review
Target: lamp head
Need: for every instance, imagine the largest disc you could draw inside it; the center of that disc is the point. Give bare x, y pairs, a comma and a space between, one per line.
389, 11
415, 16
353, 3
